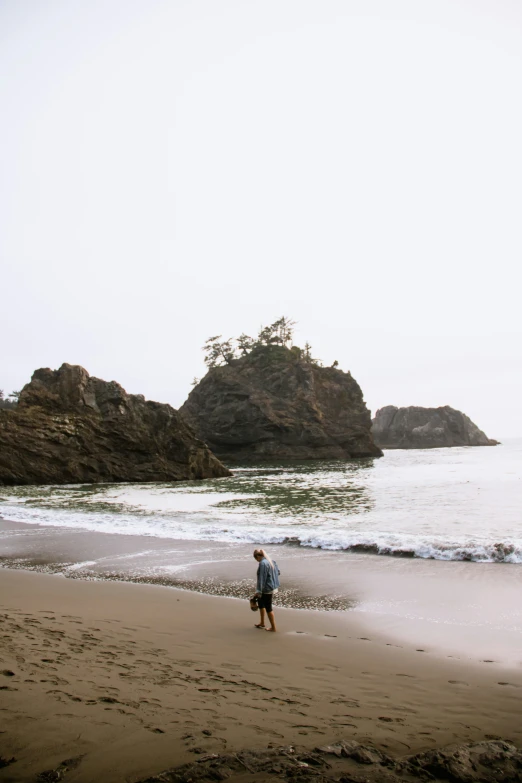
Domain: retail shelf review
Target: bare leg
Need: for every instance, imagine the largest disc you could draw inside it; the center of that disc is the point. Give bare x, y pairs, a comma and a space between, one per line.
272, 622
261, 623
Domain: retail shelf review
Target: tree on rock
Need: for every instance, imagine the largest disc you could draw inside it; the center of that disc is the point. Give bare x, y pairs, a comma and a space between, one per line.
245, 344
267, 336
278, 333
10, 401
284, 329
217, 352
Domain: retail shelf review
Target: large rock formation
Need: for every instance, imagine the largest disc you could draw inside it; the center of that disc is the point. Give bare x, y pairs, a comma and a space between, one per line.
69, 428
426, 428
271, 404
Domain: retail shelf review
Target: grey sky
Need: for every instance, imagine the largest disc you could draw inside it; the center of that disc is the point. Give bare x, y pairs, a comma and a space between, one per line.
176, 169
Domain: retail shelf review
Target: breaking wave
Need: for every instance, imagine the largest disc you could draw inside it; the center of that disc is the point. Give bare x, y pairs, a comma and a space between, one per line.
185, 527
431, 549
448, 504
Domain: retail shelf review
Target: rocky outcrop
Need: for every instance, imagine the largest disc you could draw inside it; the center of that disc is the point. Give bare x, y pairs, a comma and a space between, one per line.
70, 428
349, 762
271, 404
426, 428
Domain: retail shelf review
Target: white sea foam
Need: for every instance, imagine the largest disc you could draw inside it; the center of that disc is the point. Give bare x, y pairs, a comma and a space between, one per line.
477, 549
447, 504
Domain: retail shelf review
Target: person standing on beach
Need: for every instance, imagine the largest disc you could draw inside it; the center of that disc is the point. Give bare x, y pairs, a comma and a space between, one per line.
267, 585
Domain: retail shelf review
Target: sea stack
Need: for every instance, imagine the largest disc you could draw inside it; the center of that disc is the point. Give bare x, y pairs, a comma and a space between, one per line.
71, 428
426, 428
274, 404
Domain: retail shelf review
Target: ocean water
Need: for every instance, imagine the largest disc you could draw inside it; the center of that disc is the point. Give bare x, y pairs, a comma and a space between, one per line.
460, 504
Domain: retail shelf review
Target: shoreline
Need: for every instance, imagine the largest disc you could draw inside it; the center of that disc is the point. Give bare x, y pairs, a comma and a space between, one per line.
466, 610
442, 504
136, 679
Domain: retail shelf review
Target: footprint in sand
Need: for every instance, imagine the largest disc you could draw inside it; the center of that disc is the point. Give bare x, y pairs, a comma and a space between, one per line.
346, 702
267, 731
458, 682
60, 695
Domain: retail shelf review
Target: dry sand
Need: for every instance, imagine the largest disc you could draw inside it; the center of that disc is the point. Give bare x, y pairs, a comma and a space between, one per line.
135, 679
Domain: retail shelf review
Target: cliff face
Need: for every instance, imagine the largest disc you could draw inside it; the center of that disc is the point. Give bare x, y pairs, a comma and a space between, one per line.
426, 428
272, 405
70, 428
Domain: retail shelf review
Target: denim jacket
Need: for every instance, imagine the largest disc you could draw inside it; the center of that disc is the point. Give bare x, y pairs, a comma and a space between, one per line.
267, 577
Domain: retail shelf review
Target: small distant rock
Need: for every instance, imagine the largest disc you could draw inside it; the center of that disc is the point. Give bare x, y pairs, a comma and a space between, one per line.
426, 428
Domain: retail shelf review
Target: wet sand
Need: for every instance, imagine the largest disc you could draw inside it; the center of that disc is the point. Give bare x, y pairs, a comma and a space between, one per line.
132, 679
467, 610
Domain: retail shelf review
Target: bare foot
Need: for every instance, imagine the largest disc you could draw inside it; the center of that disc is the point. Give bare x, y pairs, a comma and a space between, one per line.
261, 625
271, 629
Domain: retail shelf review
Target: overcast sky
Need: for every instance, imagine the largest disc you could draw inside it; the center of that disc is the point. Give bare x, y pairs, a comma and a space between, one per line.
175, 169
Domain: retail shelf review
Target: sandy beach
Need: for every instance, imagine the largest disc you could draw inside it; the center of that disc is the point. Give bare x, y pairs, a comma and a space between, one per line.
130, 680
261, 321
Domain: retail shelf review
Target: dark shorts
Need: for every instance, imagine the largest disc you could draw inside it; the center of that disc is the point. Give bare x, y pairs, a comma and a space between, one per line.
265, 602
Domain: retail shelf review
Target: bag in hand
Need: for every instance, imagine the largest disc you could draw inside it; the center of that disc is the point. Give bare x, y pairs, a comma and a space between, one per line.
253, 603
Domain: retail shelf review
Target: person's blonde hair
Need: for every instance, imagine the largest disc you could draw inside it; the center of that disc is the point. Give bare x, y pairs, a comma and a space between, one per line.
262, 553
